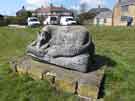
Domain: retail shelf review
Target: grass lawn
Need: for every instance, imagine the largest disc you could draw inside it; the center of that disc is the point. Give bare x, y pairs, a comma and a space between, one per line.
13, 87
115, 43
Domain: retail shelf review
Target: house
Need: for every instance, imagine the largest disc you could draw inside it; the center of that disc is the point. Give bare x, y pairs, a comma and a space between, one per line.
52, 11
98, 10
103, 18
122, 10
21, 11
100, 16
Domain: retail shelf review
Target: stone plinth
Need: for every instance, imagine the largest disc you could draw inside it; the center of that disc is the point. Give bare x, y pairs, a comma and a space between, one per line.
83, 84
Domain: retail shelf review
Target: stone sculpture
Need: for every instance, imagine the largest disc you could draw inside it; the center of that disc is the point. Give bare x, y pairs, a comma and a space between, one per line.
70, 47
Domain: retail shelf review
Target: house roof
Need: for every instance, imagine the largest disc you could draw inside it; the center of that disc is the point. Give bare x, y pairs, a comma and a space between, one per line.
21, 10
126, 2
103, 15
98, 10
49, 9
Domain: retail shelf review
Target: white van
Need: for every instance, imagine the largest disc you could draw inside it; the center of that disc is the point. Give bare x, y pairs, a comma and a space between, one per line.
51, 20
67, 20
33, 21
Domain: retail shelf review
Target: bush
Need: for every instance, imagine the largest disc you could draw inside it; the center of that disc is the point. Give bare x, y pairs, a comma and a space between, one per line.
20, 19
3, 21
17, 20
83, 17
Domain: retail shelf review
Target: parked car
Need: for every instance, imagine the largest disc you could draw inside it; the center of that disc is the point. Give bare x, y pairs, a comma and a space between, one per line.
51, 20
67, 20
33, 21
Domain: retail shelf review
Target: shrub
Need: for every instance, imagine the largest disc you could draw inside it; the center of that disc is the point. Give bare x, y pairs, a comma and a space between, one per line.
17, 20
86, 16
3, 21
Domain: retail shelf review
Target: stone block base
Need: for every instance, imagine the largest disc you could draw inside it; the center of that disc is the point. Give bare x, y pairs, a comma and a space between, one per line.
84, 84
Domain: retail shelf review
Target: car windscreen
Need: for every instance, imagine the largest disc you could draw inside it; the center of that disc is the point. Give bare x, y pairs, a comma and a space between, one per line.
53, 19
69, 19
33, 20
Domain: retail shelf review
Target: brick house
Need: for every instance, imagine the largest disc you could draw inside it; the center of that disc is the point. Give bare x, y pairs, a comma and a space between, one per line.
122, 10
52, 11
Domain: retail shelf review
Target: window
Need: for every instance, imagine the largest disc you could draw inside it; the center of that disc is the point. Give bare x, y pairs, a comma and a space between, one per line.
69, 19
124, 18
34, 19
105, 20
53, 18
124, 9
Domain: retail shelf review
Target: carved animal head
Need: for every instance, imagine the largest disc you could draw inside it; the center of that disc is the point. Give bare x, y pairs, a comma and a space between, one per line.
43, 37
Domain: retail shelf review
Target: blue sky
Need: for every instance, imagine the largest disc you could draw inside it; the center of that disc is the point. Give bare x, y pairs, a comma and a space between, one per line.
9, 7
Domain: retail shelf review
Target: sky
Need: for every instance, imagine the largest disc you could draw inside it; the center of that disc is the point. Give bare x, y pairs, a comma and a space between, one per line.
9, 7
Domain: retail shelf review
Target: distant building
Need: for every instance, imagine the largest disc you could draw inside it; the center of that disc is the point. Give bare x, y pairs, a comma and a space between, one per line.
98, 10
122, 10
21, 11
103, 18
52, 11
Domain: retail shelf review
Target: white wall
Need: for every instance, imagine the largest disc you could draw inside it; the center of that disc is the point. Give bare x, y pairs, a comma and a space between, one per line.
101, 22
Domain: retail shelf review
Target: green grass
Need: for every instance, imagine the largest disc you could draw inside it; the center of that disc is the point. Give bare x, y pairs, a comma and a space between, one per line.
118, 44
115, 43
14, 87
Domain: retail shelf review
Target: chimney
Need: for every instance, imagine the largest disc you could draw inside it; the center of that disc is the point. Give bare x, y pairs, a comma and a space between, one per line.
99, 6
23, 7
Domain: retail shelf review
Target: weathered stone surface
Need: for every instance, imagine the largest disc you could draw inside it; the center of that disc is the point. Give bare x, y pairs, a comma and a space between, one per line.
83, 84
67, 46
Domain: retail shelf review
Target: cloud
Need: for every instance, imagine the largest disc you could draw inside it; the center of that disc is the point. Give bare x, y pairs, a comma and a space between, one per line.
31, 4
75, 7
37, 2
